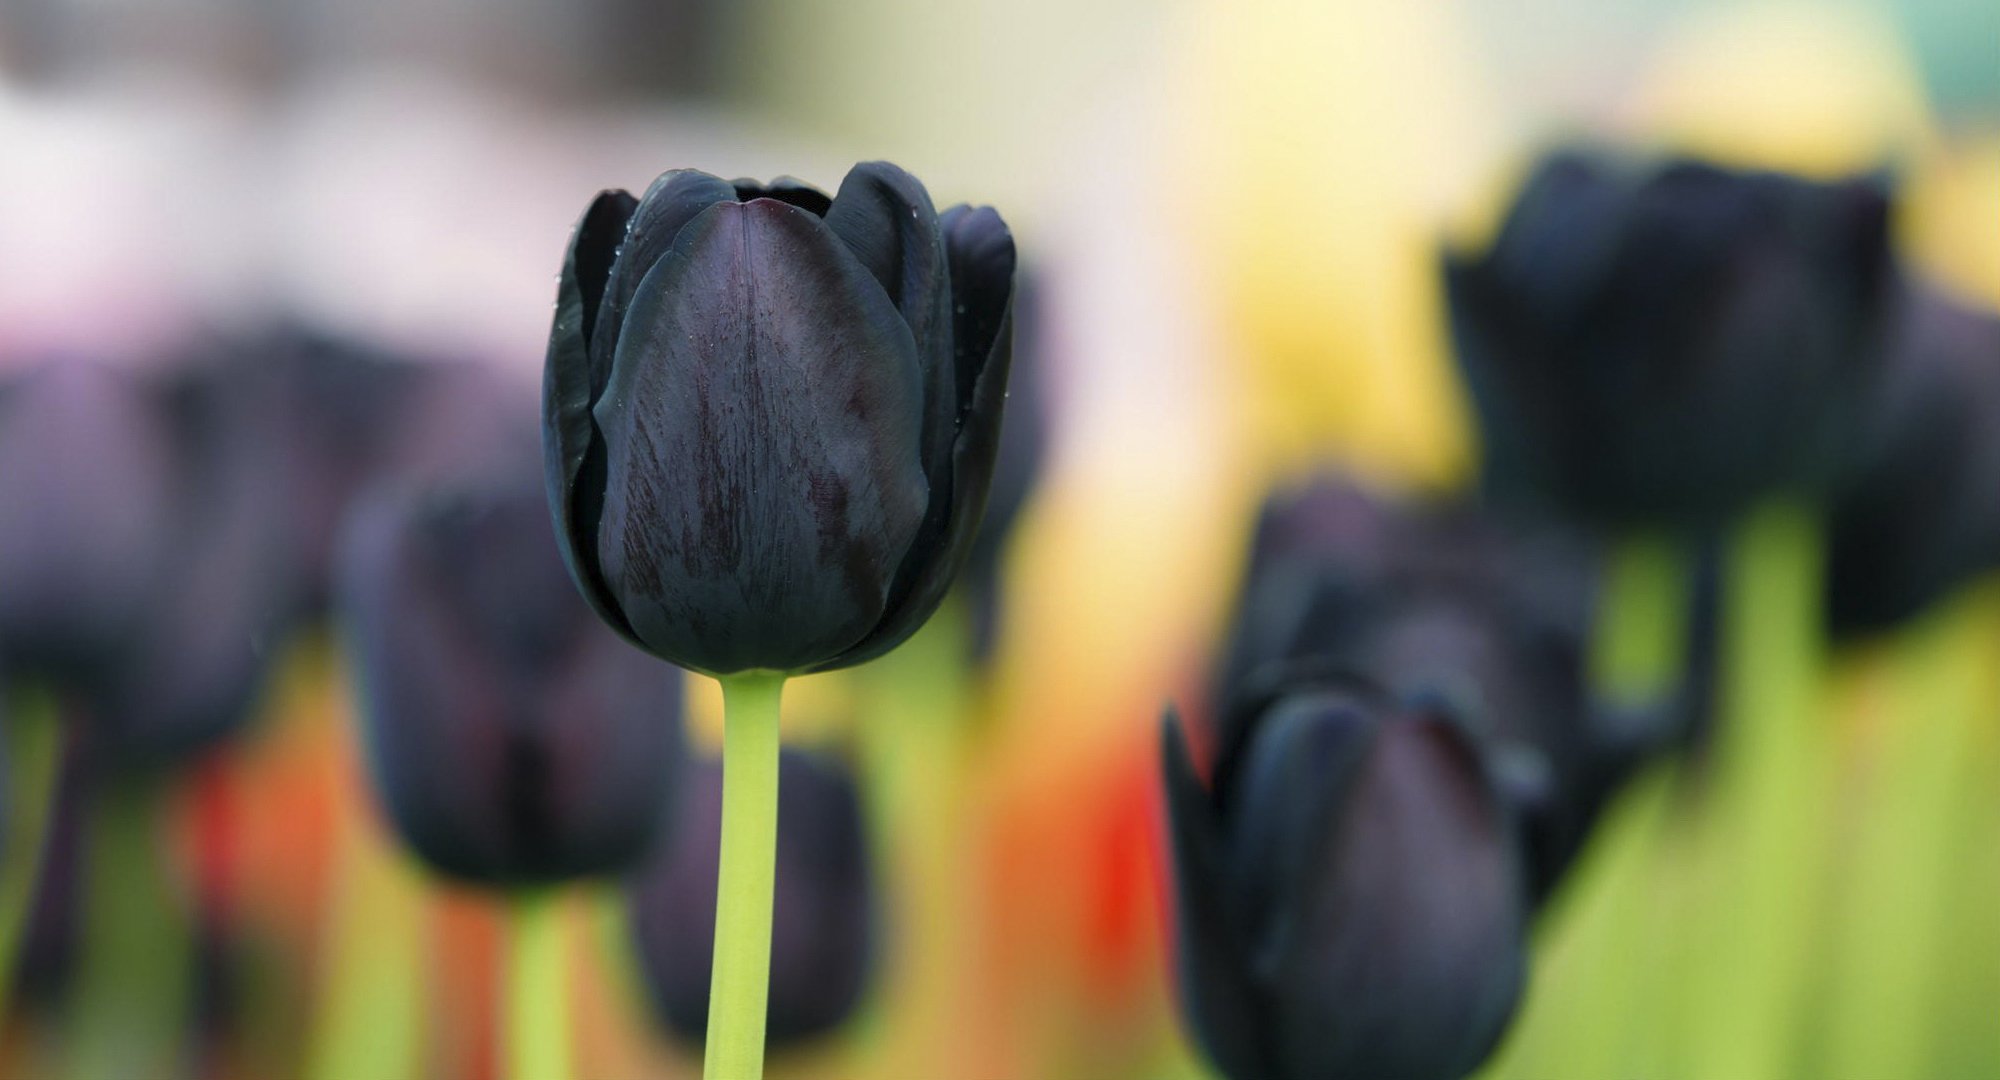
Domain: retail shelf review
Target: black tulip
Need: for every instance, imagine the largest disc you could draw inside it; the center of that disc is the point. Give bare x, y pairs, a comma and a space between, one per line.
221, 606
1350, 903
85, 495
145, 550
1916, 515
770, 417
1024, 443
1455, 610
823, 916
514, 740
1666, 346
355, 416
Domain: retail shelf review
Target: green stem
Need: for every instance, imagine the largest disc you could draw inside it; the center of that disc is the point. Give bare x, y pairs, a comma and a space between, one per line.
1640, 644
1921, 779
1588, 989
371, 1005
34, 737
912, 741
537, 1030
741, 978
131, 999
1767, 802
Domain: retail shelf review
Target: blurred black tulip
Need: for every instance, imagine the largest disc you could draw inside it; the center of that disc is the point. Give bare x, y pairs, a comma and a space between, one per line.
514, 740
1457, 611
1916, 515
209, 627
355, 416
1024, 439
822, 941
1667, 346
770, 417
85, 495
148, 562
1350, 903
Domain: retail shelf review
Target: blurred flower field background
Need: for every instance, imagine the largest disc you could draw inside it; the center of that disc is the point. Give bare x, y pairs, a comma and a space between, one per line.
1231, 219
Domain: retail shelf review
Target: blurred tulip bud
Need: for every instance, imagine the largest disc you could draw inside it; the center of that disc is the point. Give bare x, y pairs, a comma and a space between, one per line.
1668, 346
356, 416
514, 740
85, 496
770, 417
1459, 613
148, 559
1024, 439
1350, 903
1916, 515
222, 606
822, 940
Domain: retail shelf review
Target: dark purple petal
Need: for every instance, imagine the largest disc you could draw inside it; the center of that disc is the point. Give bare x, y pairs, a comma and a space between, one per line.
211, 627
762, 423
572, 453
86, 482
676, 198
1665, 345
1407, 960
885, 217
981, 253
1225, 1011
942, 549
513, 739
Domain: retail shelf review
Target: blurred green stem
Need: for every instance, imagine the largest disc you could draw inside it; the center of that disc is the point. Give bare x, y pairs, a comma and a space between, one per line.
130, 1000
1638, 658
1921, 779
371, 1007
34, 752
912, 733
1640, 643
1767, 801
537, 1028
740, 983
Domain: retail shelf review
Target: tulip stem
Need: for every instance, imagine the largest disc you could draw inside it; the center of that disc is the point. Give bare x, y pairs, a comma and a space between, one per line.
537, 1030
1640, 645
1769, 790
371, 1005
129, 1012
741, 979
35, 751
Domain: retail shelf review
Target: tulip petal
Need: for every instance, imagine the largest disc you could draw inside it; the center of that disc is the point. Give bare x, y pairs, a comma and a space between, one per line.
474, 651
762, 423
1285, 793
674, 199
1226, 1011
1417, 916
983, 252
572, 453
885, 216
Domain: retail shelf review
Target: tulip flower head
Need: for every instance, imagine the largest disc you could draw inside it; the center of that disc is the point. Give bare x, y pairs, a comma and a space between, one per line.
514, 740
1915, 516
148, 564
1667, 347
770, 417
1350, 899
85, 480
1454, 610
